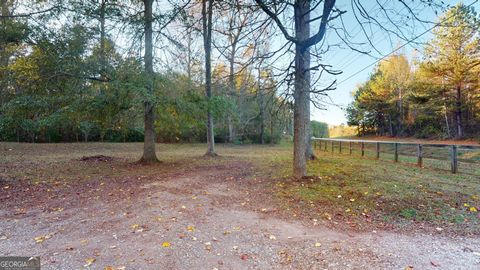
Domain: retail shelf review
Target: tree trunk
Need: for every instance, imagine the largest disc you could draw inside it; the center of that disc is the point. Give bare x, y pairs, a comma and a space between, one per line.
102, 44
272, 123
262, 107
207, 43
233, 90
302, 90
309, 154
400, 112
458, 111
390, 125
149, 154
189, 54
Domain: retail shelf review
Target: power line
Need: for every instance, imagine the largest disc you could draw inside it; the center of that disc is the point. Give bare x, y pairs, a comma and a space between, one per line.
400, 47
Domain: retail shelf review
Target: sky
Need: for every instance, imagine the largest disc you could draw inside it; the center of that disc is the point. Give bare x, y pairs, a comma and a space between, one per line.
350, 62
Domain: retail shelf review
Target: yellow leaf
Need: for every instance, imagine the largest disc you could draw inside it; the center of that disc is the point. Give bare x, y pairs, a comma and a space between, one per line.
89, 261
190, 228
318, 244
166, 244
135, 226
473, 209
109, 268
466, 205
39, 239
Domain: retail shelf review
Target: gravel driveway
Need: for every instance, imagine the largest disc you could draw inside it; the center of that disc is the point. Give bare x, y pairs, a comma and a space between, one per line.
206, 218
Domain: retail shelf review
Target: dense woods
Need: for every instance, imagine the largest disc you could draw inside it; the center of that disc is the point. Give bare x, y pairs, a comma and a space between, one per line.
432, 95
72, 74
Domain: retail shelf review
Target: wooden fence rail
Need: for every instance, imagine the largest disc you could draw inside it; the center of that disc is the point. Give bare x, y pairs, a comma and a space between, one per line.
321, 144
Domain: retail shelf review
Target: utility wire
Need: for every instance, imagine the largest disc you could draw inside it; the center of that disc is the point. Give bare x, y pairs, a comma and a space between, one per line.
400, 47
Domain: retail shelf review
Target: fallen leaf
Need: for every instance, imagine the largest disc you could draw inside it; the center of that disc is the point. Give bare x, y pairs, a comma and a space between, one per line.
272, 237
318, 245
109, 268
190, 228
244, 257
40, 239
434, 264
473, 209
166, 244
89, 261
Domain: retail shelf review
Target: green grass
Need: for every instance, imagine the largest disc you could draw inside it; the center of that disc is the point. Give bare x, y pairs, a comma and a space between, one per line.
361, 191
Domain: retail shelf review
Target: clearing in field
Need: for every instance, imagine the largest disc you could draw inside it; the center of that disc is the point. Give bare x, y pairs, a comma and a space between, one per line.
91, 206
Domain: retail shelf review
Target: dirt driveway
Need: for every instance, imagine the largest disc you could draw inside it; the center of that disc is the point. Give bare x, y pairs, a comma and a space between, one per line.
200, 217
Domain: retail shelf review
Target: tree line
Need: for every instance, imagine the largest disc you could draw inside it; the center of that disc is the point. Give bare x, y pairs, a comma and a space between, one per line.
188, 70
434, 95
74, 82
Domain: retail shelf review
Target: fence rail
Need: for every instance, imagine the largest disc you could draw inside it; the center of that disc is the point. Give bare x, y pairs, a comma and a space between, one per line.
442, 156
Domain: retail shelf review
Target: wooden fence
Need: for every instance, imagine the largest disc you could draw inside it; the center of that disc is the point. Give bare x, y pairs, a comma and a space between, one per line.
437, 155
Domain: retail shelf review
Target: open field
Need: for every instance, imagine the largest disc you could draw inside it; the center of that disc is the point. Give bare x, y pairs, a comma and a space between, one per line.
242, 210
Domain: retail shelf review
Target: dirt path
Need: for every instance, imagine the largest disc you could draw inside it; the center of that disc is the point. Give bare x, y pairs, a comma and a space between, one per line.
206, 218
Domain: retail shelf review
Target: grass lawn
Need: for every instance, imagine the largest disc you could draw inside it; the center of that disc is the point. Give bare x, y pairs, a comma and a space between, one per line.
358, 193
366, 193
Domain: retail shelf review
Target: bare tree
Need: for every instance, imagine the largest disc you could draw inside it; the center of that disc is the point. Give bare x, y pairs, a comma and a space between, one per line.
240, 25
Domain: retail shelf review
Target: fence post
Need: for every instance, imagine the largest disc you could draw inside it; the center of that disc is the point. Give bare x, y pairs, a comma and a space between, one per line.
362, 148
333, 147
378, 149
395, 152
325, 146
340, 147
419, 155
454, 159
350, 147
